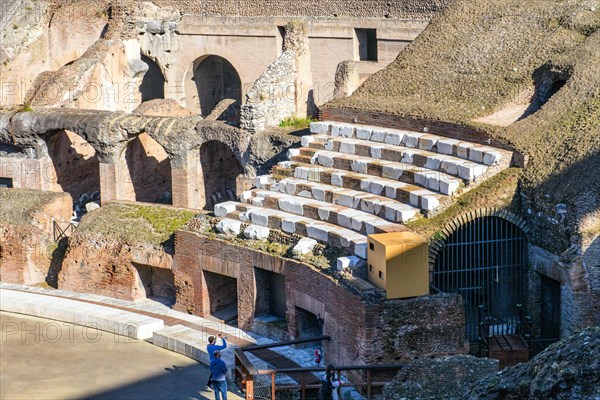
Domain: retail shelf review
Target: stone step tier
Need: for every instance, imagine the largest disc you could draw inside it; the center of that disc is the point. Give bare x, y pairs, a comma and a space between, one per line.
381, 206
399, 160
332, 134
417, 197
323, 232
348, 181
346, 217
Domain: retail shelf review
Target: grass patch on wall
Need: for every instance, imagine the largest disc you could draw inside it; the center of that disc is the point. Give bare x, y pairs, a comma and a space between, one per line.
296, 122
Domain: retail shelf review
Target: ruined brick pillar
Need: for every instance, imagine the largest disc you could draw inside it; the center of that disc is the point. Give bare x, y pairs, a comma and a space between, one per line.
186, 182
109, 181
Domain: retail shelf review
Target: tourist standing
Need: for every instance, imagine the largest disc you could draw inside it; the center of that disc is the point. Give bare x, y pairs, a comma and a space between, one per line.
218, 371
210, 349
326, 392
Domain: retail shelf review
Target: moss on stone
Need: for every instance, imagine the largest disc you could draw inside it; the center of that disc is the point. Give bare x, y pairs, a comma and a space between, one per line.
18, 206
134, 224
498, 192
478, 57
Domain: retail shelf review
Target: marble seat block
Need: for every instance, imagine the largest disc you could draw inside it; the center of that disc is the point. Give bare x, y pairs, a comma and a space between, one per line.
292, 205
360, 166
471, 171
288, 223
363, 132
446, 146
492, 157
319, 232
319, 128
292, 153
426, 142
222, 209
342, 130
411, 139
360, 249
394, 138
463, 149
429, 203
347, 148
378, 135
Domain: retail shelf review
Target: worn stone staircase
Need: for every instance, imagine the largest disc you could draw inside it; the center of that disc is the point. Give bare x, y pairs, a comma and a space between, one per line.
348, 181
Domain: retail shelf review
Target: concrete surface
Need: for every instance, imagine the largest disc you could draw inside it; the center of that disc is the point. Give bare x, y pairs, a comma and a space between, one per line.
44, 359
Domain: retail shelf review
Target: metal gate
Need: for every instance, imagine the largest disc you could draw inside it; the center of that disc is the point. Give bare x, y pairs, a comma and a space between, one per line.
484, 261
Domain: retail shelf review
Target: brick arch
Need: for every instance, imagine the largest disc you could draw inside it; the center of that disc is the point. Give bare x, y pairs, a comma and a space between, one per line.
440, 237
237, 140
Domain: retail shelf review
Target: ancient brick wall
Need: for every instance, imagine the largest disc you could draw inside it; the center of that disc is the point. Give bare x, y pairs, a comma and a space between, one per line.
332, 8
362, 330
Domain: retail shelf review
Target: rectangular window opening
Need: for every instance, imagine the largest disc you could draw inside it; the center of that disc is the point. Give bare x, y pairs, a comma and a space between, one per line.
366, 41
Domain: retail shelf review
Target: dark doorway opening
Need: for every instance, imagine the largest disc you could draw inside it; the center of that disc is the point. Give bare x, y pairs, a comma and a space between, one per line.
550, 308
153, 83
484, 261
6, 183
308, 324
222, 297
270, 293
220, 170
216, 79
156, 283
367, 44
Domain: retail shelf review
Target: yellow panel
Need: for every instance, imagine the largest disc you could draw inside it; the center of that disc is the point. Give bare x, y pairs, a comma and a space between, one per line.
402, 258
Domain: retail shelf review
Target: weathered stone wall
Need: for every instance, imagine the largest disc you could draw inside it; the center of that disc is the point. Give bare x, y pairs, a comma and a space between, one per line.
47, 37
333, 8
282, 90
26, 242
423, 327
439, 378
107, 77
106, 267
362, 330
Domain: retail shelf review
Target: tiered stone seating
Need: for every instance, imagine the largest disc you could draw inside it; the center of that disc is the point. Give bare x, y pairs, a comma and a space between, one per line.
348, 181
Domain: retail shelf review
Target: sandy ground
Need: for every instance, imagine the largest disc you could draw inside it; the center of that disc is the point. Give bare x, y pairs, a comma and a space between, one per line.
44, 359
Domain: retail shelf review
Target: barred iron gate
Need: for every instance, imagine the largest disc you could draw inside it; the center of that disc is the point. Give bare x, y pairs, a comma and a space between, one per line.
484, 261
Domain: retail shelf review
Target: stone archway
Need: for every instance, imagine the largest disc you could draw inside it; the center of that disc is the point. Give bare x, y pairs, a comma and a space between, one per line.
483, 257
219, 171
215, 79
145, 171
153, 83
71, 166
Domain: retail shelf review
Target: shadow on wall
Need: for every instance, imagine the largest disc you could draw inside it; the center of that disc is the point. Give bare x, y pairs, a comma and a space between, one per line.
220, 170
153, 84
548, 81
558, 205
149, 169
75, 167
216, 79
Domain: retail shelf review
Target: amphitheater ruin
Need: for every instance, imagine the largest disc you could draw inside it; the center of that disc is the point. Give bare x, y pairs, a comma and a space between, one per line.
392, 183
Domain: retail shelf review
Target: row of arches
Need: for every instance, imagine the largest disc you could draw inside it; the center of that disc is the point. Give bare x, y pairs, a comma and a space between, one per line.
212, 77
144, 170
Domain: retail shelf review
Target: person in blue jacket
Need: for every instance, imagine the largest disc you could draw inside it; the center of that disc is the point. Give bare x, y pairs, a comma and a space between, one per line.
210, 349
218, 370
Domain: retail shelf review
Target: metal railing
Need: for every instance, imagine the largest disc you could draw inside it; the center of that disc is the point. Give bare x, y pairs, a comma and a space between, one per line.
59, 232
305, 383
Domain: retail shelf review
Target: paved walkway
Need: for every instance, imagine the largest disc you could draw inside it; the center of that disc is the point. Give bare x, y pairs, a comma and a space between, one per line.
45, 359
170, 317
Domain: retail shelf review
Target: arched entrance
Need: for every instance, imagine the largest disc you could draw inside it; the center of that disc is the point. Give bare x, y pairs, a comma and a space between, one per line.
153, 84
484, 260
73, 165
146, 170
219, 171
216, 79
